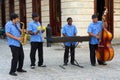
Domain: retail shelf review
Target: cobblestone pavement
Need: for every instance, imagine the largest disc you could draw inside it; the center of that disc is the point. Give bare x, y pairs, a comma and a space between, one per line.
53, 57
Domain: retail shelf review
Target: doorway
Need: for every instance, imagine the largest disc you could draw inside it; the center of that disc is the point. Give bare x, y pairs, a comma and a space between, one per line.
11, 6
99, 9
36, 7
23, 12
55, 17
3, 18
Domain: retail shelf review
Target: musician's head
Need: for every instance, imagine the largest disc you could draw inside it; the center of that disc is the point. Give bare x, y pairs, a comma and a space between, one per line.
35, 17
14, 17
69, 20
94, 18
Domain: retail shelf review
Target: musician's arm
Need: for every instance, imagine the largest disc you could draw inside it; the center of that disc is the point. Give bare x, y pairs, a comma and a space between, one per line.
43, 31
32, 33
14, 37
75, 34
98, 36
64, 35
93, 35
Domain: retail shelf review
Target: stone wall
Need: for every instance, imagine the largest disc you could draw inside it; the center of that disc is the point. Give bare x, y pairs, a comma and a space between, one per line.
80, 11
117, 19
29, 10
16, 3
45, 12
0, 15
7, 10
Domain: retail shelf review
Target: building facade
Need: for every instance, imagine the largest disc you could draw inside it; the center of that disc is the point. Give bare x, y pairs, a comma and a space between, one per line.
55, 13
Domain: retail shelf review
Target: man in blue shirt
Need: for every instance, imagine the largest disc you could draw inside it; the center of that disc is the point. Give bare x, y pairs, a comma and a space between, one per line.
94, 31
13, 32
36, 40
69, 30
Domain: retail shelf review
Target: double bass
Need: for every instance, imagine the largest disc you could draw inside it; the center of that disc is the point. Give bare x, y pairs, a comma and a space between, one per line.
105, 51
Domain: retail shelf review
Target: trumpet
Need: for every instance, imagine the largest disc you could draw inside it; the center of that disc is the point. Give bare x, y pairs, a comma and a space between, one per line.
23, 34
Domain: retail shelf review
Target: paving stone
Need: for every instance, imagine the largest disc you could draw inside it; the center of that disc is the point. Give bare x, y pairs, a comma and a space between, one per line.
53, 57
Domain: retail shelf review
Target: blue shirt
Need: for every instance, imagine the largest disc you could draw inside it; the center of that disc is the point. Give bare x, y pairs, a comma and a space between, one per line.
11, 28
94, 28
33, 26
69, 30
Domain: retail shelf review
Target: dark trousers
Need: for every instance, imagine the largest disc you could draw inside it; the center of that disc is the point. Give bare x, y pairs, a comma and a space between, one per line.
34, 47
17, 58
93, 54
72, 54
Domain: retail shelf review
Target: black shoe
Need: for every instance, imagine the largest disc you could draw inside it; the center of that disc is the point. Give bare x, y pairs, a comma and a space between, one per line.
73, 63
13, 73
32, 67
102, 63
42, 66
93, 64
21, 70
65, 64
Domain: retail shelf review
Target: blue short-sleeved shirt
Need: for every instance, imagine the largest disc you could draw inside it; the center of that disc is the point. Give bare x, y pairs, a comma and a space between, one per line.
69, 30
11, 28
33, 26
95, 28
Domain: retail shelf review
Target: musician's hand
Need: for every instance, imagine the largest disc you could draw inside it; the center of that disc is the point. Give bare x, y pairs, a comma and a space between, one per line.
99, 40
37, 32
98, 37
103, 17
43, 31
64, 35
25, 31
20, 39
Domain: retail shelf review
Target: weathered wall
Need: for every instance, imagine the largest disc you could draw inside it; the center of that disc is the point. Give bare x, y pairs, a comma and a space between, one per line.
80, 11
7, 10
16, 3
0, 14
45, 12
29, 10
117, 19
